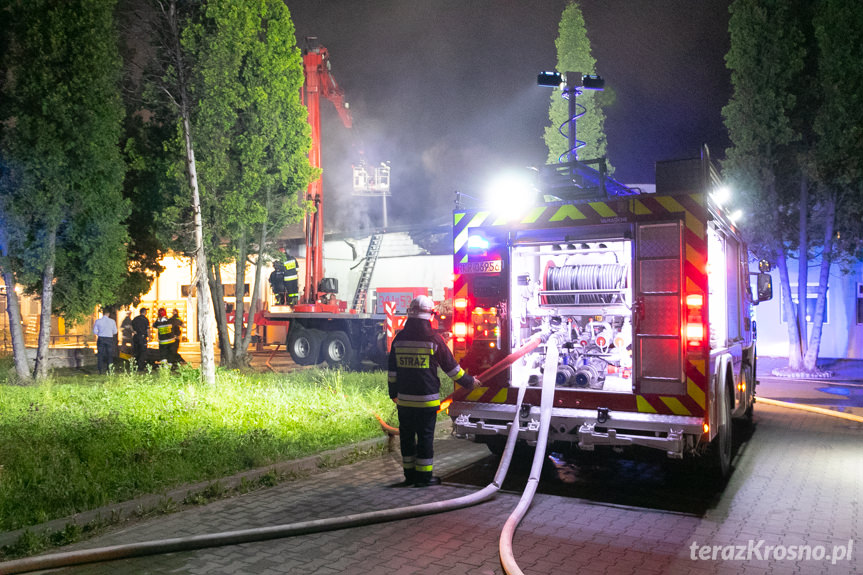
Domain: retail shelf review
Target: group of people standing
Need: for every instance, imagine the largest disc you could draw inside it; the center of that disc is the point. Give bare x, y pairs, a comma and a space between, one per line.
168, 329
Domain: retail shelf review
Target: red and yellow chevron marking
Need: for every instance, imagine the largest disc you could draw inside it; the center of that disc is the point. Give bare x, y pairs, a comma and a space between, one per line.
482, 394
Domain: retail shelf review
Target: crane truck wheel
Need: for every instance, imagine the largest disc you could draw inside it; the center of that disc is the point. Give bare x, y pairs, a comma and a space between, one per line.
304, 346
338, 350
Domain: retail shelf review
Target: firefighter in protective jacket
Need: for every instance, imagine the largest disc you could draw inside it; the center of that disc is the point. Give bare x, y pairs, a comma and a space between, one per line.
165, 330
292, 280
417, 352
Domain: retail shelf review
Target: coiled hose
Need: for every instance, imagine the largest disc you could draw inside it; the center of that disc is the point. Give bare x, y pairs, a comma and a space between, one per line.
597, 277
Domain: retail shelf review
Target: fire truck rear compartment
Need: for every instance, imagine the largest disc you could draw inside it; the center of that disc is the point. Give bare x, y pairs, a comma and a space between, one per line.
581, 289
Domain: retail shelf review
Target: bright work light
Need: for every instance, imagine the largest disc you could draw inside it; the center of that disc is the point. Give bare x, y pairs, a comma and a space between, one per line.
572, 80
552, 79
511, 194
735, 216
721, 195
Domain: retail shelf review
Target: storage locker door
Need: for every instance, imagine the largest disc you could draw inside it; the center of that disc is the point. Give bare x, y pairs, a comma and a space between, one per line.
659, 353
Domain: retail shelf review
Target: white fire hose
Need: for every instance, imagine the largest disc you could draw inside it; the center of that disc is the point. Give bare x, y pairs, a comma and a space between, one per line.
507, 559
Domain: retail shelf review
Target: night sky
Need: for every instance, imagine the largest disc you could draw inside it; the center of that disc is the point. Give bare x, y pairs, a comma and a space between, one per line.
446, 91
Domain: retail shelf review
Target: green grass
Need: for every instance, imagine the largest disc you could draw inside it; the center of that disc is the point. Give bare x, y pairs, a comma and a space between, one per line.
77, 443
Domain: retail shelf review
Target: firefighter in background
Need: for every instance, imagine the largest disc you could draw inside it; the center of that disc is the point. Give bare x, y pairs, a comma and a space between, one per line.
177, 330
417, 352
141, 327
165, 330
127, 333
277, 282
292, 280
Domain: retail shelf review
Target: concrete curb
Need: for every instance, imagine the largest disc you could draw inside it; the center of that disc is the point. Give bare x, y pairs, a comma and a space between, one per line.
125, 510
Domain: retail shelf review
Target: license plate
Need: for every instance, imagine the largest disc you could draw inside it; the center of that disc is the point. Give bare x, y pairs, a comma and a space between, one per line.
486, 267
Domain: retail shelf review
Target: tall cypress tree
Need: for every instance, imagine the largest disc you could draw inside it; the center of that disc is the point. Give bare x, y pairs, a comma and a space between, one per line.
61, 193
574, 55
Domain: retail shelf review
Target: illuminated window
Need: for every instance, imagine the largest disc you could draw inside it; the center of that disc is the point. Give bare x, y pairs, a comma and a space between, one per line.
811, 300
231, 290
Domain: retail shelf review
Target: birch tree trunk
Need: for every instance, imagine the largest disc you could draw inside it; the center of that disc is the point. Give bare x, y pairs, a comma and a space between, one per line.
218, 293
803, 263
205, 310
795, 358
240, 292
40, 370
253, 304
811, 358
16, 331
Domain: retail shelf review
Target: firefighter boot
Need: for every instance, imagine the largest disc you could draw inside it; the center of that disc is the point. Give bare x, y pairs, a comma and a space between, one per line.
410, 479
429, 482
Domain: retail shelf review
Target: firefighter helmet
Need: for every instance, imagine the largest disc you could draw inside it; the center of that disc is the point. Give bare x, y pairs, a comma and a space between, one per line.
421, 307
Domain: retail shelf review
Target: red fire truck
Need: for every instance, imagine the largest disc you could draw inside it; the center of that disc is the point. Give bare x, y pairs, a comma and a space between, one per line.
649, 293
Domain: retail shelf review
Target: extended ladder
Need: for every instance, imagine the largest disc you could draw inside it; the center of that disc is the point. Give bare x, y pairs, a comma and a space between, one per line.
359, 303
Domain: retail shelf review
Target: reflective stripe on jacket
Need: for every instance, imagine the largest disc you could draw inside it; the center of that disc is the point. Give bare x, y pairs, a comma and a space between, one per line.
291, 272
417, 352
165, 329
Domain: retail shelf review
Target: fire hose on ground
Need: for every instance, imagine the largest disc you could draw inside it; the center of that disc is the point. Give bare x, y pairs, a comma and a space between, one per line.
173, 545
507, 558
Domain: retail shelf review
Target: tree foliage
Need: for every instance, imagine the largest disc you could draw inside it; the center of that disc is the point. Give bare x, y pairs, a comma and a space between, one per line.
574, 55
253, 134
792, 125
231, 73
61, 194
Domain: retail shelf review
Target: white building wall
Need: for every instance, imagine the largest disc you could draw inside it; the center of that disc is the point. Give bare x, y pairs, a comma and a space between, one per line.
842, 336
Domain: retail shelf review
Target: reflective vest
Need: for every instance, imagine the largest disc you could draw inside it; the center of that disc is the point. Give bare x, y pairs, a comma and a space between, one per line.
165, 329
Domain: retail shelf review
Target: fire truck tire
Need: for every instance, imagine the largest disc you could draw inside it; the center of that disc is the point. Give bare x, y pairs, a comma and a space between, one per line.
304, 345
338, 350
718, 456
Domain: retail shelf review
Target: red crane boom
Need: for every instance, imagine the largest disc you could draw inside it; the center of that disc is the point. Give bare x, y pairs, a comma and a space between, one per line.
318, 82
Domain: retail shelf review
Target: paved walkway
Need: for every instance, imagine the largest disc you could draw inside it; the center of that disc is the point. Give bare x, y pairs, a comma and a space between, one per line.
796, 482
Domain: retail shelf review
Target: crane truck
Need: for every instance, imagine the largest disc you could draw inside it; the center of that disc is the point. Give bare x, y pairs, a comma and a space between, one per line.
650, 293
320, 327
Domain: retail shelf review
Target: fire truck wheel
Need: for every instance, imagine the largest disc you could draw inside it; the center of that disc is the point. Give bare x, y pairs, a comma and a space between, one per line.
304, 346
338, 351
719, 453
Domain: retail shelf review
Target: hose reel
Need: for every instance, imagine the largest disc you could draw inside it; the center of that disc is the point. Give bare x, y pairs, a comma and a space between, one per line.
609, 278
